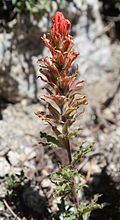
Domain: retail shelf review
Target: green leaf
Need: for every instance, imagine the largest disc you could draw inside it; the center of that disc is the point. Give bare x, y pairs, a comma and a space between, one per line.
117, 5
85, 209
74, 133
70, 217
51, 139
80, 153
14, 181
63, 180
14, 2
28, 5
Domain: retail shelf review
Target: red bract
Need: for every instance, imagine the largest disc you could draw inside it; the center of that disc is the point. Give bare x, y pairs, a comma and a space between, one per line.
63, 87
60, 28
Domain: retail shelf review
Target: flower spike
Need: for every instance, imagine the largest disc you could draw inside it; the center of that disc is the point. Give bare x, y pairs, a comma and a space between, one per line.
63, 88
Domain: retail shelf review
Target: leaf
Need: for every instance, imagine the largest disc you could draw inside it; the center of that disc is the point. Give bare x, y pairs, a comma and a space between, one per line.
28, 5
75, 85
56, 131
80, 153
14, 2
58, 99
49, 91
45, 117
69, 111
63, 179
51, 139
54, 112
85, 209
70, 217
42, 79
74, 133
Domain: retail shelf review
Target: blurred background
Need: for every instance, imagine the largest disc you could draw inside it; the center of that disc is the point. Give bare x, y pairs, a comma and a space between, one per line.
96, 32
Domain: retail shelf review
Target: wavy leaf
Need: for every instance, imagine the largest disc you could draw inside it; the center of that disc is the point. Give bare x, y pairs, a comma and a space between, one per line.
51, 139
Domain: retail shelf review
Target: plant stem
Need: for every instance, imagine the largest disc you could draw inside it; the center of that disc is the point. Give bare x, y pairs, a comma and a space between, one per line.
75, 196
68, 151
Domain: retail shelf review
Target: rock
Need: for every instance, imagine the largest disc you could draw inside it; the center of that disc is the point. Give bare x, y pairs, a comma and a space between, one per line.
4, 167
33, 200
1, 207
13, 158
20, 157
45, 172
95, 52
3, 190
19, 137
46, 183
8, 87
18, 75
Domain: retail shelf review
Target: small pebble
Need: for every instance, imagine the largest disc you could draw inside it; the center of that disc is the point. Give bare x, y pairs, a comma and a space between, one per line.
46, 183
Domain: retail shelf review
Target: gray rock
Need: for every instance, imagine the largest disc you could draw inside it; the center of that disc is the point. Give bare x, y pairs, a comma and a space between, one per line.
46, 183
24, 154
4, 167
8, 87
17, 66
19, 137
94, 46
13, 158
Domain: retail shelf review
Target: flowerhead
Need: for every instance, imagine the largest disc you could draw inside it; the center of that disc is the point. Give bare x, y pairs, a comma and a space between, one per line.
62, 87
60, 28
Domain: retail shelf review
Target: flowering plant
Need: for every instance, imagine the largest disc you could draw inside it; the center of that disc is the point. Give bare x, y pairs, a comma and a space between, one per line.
63, 87
63, 100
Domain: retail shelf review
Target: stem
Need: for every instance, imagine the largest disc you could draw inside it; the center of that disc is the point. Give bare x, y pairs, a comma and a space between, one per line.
69, 151
75, 196
68, 148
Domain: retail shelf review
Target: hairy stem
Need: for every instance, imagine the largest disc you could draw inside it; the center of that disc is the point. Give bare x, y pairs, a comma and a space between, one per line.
75, 196
68, 151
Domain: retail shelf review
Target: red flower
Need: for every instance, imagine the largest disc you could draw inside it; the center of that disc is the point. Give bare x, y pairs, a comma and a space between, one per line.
62, 87
60, 28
